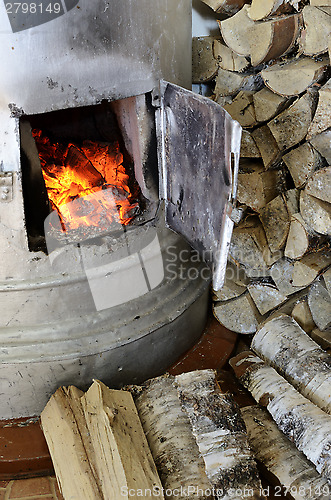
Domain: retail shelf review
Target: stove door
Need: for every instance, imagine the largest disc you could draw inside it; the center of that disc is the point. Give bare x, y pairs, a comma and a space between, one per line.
199, 146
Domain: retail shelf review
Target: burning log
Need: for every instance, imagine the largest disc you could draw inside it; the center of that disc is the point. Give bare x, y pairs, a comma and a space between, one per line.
287, 465
294, 415
282, 343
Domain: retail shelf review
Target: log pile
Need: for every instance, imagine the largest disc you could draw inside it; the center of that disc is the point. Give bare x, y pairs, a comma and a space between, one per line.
269, 68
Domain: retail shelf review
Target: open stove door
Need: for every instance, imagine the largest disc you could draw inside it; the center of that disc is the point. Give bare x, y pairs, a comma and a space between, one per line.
198, 147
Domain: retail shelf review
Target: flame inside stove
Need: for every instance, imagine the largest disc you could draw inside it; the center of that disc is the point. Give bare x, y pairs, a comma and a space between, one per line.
86, 184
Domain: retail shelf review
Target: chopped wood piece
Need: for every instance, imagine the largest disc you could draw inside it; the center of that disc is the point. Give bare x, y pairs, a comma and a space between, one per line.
327, 280
227, 59
296, 120
301, 421
234, 31
204, 64
294, 77
261, 9
220, 434
249, 248
258, 187
287, 465
169, 434
230, 289
321, 143
322, 118
267, 146
242, 109
291, 199
225, 6
316, 213
300, 238
248, 148
319, 302
302, 315
302, 162
282, 274
322, 338
310, 266
319, 185
267, 104
276, 223
230, 83
283, 344
238, 315
320, 3
266, 296
272, 39
317, 23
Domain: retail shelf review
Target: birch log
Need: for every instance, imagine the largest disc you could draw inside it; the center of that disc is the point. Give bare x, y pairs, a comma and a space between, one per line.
220, 434
319, 185
316, 213
302, 162
267, 145
310, 266
204, 64
300, 238
225, 6
319, 302
248, 148
281, 458
299, 419
276, 233
321, 143
322, 118
234, 31
257, 187
242, 109
267, 104
261, 9
266, 297
302, 315
282, 343
227, 59
239, 314
317, 23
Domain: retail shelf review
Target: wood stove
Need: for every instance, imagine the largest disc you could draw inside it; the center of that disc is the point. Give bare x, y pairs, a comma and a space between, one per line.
103, 166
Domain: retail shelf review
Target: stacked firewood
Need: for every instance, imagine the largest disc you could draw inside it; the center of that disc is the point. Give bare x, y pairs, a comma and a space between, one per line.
269, 68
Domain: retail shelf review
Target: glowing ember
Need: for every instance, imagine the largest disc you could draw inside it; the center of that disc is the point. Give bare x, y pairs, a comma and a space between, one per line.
86, 184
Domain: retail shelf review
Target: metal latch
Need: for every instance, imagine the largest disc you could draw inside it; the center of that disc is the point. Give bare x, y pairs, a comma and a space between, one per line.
6, 187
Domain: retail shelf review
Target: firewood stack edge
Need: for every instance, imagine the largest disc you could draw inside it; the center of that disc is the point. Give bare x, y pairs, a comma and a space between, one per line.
269, 68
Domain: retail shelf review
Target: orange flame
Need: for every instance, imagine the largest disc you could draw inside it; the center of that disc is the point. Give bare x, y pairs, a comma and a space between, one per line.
74, 171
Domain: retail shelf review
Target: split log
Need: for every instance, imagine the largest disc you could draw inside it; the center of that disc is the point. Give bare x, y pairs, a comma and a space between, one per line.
257, 187
317, 23
291, 199
248, 147
262, 9
266, 297
220, 433
230, 83
242, 109
234, 284
327, 280
227, 59
98, 445
294, 77
321, 143
322, 338
238, 315
322, 118
204, 64
283, 344
300, 238
302, 162
319, 302
272, 39
267, 146
320, 3
282, 274
225, 6
287, 465
299, 419
267, 104
276, 223
296, 119
234, 31
306, 270
302, 315
319, 185
316, 213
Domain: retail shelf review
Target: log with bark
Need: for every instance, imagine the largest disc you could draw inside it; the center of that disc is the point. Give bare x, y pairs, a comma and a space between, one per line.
294, 414
317, 23
319, 302
234, 31
225, 6
262, 9
302, 162
239, 314
283, 344
300, 238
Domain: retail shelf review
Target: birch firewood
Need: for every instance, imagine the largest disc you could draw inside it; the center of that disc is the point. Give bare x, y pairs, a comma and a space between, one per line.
234, 31
272, 39
302, 162
319, 185
257, 187
317, 23
299, 419
239, 314
267, 146
248, 147
300, 238
229, 83
242, 109
266, 297
282, 274
227, 59
310, 266
204, 64
297, 119
316, 213
294, 77
261, 9
276, 223
302, 315
220, 434
267, 104
321, 143
322, 118
319, 302
327, 279
234, 284
322, 338
281, 458
225, 6
283, 344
